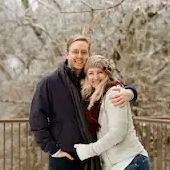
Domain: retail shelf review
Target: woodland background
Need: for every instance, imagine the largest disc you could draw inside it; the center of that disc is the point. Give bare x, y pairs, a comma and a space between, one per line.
135, 34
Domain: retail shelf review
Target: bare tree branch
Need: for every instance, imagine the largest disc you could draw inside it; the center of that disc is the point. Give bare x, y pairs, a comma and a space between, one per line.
57, 4
94, 9
14, 101
49, 6
5, 72
161, 71
88, 5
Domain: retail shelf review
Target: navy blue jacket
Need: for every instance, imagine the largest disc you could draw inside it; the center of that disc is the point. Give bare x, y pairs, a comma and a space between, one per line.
52, 117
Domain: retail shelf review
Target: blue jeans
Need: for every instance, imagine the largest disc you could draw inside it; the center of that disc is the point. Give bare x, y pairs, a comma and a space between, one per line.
140, 162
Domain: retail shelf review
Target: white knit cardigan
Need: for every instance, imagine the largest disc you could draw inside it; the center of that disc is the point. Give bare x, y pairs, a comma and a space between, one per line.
117, 138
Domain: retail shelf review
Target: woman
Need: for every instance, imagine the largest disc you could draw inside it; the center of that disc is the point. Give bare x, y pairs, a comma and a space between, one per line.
117, 142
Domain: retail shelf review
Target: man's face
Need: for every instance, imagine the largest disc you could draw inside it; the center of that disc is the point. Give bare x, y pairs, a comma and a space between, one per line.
77, 55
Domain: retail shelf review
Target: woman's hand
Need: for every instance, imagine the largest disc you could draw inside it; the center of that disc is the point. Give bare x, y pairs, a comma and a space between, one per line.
62, 154
84, 151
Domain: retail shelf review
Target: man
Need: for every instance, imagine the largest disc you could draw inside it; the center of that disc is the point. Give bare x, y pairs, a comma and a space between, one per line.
56, 116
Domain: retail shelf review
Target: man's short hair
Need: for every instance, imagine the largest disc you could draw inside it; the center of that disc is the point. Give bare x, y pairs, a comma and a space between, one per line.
78, 38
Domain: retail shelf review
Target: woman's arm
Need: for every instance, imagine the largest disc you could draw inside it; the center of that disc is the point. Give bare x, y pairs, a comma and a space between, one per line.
117, 129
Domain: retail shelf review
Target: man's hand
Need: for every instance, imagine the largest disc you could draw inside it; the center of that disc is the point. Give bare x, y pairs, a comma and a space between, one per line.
123, 97
62, 154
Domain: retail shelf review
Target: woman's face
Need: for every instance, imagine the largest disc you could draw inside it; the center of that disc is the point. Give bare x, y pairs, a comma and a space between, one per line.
95, 76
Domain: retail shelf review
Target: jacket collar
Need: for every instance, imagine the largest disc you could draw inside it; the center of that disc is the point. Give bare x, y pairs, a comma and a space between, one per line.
72, 74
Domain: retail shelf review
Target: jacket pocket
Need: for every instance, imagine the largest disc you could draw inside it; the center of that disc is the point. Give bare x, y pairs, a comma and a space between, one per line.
55, 130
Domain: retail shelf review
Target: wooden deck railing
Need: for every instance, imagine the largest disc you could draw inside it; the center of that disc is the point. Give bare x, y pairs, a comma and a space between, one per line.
18, 150
155, 136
